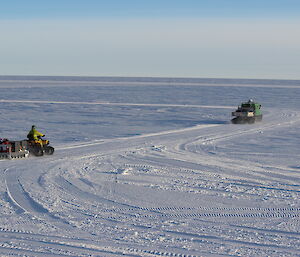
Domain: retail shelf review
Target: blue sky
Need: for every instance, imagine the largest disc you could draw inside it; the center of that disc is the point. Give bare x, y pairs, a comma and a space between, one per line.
148, 8
164, 38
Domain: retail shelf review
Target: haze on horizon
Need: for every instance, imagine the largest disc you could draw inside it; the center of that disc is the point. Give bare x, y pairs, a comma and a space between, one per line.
219, 39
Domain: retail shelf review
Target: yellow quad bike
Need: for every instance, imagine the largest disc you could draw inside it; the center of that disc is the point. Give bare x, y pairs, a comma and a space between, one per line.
40, 147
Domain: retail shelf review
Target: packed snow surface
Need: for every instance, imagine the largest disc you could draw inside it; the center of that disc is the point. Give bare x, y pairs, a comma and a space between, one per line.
151, 167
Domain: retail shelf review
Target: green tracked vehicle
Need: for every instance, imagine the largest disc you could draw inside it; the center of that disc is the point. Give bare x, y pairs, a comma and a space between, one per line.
248, 112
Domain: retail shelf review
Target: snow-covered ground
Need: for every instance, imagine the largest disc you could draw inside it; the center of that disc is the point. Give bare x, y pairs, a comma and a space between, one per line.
151, 167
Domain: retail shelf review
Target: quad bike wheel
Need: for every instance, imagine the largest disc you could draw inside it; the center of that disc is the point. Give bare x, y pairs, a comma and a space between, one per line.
38, 151
49, 150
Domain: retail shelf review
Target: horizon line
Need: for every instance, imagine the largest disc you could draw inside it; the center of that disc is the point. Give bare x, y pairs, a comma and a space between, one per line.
3, 77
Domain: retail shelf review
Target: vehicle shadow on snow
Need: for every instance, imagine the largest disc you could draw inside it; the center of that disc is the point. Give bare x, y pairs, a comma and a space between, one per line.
214, 122
295, 167
191, 123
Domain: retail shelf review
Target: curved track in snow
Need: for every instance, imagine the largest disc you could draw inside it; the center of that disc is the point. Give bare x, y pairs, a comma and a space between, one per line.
172, 193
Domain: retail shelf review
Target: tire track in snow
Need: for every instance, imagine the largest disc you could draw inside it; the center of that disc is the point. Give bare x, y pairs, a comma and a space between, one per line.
254, 176
177, 212
46, 245
119, 104
40, 247
194, 212
75, 190
233, 215
238, 133
199, 145
247, 185
239, 242
129, 142
168, 211
26, 204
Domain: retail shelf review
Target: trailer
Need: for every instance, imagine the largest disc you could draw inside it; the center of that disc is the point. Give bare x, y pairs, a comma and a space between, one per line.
13, 149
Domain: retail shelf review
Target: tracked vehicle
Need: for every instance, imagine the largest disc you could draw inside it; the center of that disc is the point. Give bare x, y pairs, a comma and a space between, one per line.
248, 112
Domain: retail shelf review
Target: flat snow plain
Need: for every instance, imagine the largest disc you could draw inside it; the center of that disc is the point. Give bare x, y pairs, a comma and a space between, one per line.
151, 167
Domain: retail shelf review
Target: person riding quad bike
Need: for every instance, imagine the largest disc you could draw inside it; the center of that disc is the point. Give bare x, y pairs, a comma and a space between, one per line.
35, 135
37, 145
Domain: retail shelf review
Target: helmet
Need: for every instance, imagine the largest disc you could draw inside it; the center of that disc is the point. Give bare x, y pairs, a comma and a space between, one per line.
33, 126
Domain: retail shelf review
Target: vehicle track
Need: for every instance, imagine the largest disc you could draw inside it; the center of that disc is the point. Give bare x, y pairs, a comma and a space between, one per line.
237, 133
175, 211
118, 104
25, 203
46, 245
179, 160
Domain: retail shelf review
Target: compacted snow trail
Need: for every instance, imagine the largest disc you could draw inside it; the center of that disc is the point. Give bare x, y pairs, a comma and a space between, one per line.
156, 189
212, 189
117, 104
